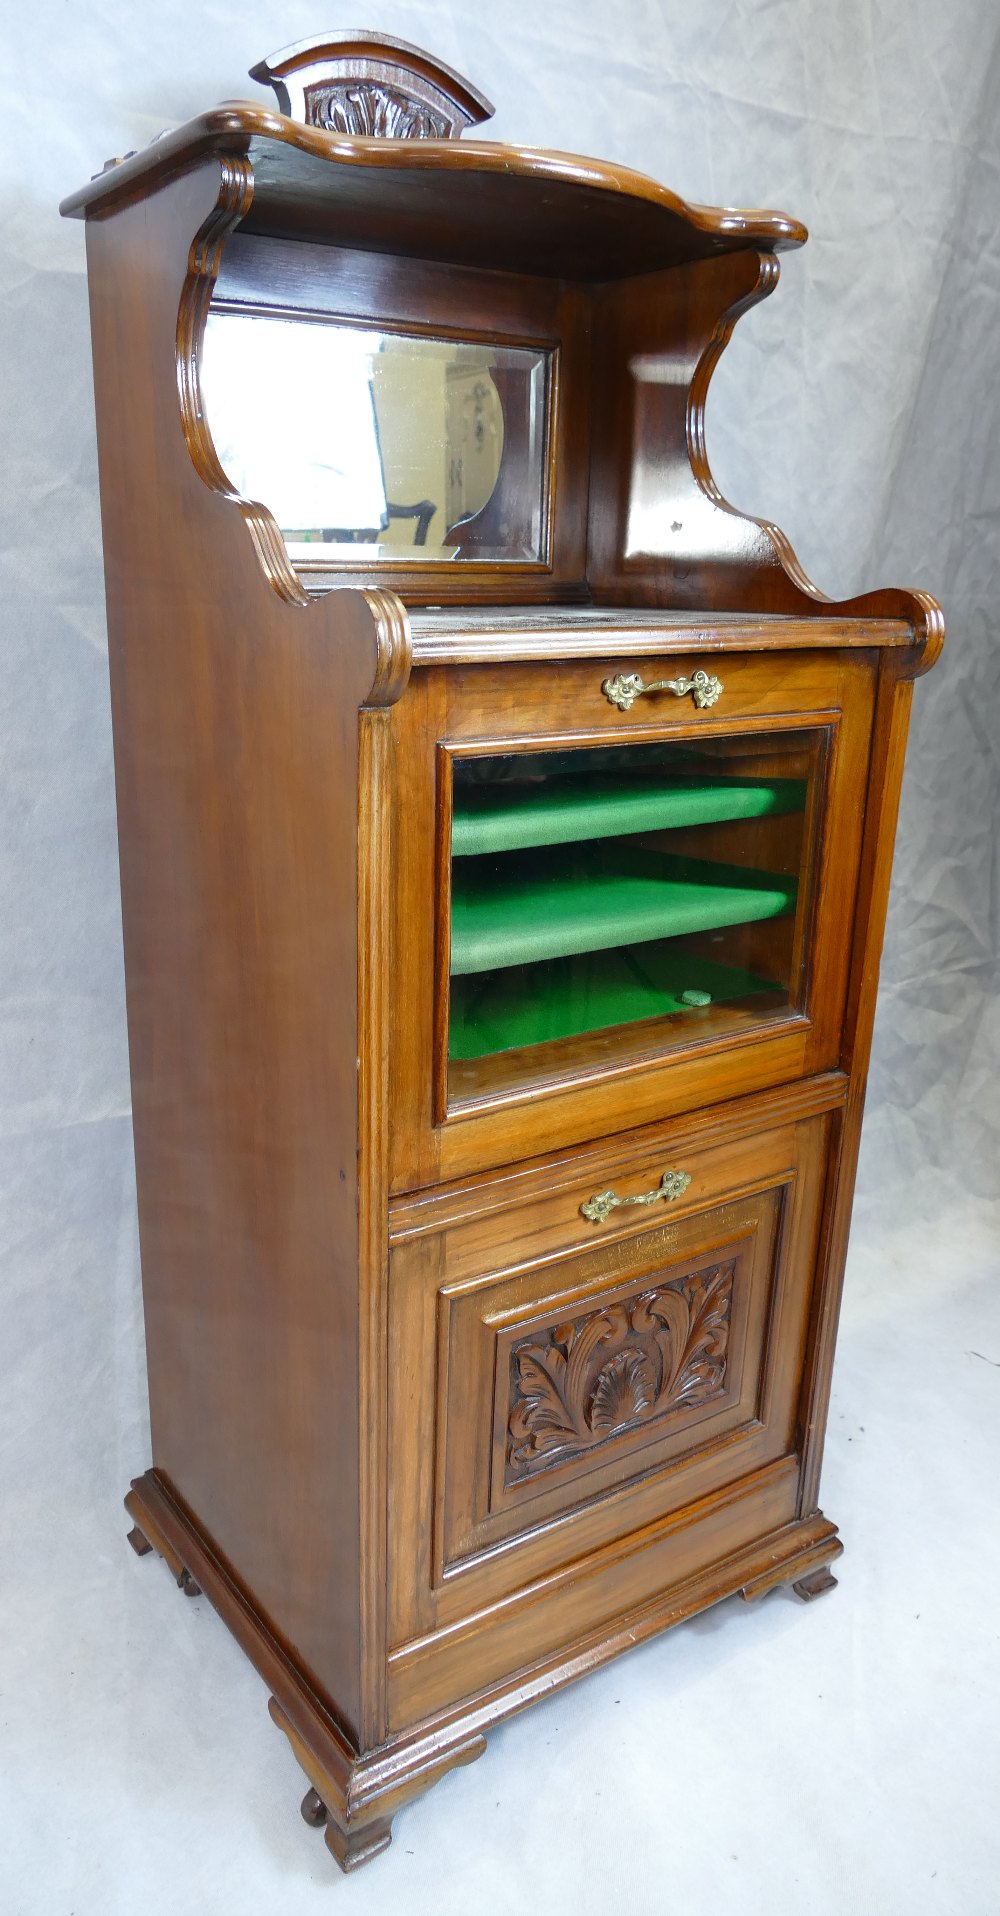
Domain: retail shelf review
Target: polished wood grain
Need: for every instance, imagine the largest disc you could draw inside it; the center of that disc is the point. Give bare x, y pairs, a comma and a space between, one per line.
236, 757
430, 1438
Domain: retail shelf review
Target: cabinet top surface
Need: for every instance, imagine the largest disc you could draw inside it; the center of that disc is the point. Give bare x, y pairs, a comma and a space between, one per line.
491, 634
429, 620
509, 207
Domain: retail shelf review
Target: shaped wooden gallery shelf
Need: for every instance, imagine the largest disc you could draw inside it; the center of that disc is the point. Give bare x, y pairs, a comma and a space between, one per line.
505, 832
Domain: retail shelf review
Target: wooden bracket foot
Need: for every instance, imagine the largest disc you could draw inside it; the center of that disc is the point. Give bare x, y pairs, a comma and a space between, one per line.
354, 1797
352, 1844
816, 1584
151, 1538
805, 1565
313, 1809
354, 1847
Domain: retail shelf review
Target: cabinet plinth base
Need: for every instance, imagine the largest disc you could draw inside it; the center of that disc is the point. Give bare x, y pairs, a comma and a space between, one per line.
354, 1795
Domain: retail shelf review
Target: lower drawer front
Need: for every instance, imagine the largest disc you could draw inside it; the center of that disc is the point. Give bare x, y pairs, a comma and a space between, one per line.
590, 1402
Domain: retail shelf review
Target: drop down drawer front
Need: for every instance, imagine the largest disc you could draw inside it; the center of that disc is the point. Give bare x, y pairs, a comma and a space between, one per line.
616, 1388
605, 916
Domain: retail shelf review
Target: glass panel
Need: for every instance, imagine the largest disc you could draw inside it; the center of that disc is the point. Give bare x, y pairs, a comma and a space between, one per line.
599, 888
370, 445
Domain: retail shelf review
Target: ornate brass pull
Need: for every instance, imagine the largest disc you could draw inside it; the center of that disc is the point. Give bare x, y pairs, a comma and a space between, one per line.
626, 687
673, 1184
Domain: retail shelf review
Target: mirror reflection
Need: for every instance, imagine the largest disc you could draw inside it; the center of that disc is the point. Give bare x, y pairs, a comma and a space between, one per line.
399, 447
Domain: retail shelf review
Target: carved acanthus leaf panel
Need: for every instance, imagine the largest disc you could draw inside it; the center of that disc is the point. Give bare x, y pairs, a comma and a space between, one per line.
610, 1370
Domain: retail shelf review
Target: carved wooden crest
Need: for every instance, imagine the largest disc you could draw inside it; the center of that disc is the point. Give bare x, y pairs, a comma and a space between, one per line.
370, 84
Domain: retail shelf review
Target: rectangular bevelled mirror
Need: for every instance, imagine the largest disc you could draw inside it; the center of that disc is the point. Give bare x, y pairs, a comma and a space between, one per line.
653, 892
373, 445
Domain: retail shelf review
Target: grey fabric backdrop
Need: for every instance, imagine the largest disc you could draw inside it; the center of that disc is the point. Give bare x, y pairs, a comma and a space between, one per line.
859, 407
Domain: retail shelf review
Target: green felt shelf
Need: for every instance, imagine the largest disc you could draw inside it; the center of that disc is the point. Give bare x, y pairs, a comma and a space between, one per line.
557, 811
525, 907
503, 1010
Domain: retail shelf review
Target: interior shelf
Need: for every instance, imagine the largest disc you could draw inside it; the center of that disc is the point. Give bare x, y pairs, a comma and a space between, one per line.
503, 1010
540, 905
499, 818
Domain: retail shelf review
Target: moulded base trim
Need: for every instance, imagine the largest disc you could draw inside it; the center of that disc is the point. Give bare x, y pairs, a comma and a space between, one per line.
359, 1792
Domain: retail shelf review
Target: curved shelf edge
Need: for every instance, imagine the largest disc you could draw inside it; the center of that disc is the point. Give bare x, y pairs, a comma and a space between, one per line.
231, 126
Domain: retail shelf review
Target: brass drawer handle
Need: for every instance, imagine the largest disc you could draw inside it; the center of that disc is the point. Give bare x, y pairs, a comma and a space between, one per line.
673, 1184
626, 687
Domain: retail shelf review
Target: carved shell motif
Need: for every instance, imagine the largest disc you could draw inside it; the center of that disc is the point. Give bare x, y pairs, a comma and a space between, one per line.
625, 1388
375, 110
598, 1375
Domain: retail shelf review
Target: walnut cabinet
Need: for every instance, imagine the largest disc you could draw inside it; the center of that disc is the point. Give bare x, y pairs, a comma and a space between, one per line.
505, 832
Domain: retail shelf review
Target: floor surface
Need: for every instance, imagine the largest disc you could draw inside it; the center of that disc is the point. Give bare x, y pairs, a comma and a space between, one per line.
839, 1757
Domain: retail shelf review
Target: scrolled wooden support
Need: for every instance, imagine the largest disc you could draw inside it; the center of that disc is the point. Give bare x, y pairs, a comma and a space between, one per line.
372, 85
235, 197
394, 642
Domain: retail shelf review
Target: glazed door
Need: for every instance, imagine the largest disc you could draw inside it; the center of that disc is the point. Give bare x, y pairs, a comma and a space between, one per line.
617, 903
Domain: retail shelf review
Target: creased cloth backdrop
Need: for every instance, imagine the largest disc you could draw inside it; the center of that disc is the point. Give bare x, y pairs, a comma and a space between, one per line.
859, 407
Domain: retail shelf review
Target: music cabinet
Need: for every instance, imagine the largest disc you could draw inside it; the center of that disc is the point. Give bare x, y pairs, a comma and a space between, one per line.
505, 829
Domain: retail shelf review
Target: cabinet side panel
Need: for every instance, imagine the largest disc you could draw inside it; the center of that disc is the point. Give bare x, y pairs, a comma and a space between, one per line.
236, 753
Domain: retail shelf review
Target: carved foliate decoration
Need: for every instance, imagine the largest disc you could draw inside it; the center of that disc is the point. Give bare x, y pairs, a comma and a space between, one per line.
612, 1369
379, 112
372, 86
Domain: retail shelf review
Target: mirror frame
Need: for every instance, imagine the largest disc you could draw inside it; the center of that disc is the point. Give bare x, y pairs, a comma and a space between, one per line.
312, 554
